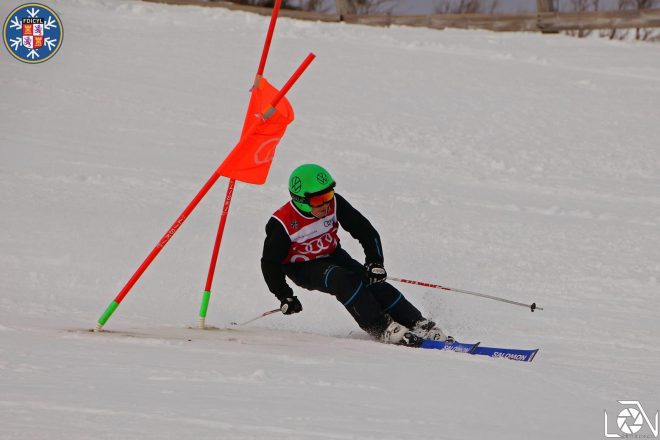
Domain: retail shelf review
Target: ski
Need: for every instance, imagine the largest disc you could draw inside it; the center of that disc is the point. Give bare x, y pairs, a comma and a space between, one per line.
449, 346
513, 354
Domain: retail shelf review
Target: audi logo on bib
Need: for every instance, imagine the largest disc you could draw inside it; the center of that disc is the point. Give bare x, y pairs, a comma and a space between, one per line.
315, 248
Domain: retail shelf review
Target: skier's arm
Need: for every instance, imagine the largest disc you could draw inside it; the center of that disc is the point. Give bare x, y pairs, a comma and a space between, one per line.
361, 229
276, 248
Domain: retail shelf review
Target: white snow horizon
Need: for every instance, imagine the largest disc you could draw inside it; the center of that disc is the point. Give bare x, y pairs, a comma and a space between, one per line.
520, 165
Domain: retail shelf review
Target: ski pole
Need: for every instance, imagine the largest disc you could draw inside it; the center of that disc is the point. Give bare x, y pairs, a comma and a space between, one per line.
531, 306
264, 314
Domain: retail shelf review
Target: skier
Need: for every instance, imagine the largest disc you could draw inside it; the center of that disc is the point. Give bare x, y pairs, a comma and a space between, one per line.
302, 243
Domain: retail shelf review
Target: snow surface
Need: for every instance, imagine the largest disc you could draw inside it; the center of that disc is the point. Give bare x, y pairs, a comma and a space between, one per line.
519, 165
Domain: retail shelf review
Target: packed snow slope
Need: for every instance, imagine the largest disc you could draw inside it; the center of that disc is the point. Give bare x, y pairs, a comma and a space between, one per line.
519, 165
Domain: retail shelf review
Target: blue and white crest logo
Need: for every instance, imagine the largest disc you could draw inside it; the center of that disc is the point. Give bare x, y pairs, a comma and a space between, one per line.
33, 33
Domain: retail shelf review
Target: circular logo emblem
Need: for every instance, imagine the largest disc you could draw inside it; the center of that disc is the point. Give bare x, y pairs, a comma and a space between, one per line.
629, 420
266, 151
33, 33
295, 185
322, 178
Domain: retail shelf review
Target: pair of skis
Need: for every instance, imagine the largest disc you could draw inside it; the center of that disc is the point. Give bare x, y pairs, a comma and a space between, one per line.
513, 354
503, 353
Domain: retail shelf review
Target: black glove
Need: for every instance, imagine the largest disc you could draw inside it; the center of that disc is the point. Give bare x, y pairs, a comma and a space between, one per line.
290, 305
375, 272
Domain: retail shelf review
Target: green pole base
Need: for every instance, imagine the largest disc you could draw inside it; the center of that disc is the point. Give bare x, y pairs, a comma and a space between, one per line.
201, 323
206, 297
106, 315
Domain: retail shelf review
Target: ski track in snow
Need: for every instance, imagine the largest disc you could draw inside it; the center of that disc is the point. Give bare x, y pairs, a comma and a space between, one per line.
519, 165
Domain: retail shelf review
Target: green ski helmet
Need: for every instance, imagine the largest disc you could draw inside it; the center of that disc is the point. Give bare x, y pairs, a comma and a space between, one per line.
306, 181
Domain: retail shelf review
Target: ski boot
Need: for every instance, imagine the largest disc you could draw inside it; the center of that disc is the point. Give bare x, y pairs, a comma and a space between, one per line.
427, 329
398, 334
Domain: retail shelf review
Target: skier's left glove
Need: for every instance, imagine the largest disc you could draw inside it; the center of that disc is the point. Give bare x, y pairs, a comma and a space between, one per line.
290, 305
375, 272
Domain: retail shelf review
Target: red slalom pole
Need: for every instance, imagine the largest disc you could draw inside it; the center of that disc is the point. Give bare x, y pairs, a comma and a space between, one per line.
156, 250
299, 71
531, 306
206, 296
186, 212
269, 38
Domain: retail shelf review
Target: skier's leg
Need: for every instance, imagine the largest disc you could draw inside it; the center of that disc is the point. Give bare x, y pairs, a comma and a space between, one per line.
343, 259
353, 293
347, 287
393, 302
343, 277
364, 307
401, 310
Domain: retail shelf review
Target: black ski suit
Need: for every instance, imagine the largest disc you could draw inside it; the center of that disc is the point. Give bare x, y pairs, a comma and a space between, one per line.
339, 274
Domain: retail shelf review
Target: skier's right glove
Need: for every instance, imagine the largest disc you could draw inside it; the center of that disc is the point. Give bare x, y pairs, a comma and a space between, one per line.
375, 272
290, 305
